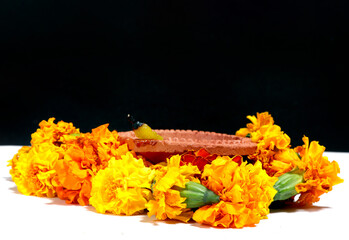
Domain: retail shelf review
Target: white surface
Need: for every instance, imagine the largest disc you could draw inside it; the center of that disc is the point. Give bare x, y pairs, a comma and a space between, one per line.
44, 218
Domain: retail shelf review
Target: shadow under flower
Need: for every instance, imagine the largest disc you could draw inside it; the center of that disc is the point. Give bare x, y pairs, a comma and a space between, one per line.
8, 178
152, 220
291, 209
58, 201
155, 222
14, 189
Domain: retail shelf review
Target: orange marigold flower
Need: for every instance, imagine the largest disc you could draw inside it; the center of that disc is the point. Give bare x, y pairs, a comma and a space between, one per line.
106, 143
167, 201
123, 188
320, 175
284, 161
245, 192
269, 138
262, 119
32, 170
74, 171
52, 132
84, 157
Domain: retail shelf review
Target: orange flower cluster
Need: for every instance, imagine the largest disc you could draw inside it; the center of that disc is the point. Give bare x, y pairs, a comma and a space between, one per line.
33, 167
84, 157
277, 157
62, 161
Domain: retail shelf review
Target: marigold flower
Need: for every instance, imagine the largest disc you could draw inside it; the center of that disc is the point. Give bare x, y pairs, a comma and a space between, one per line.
262, 119
32, 170
123, 188
73, 179
167, 201
284, 161
319, 174
106, 143
245, 191
269, 138
84, 157
52, 132
23, 151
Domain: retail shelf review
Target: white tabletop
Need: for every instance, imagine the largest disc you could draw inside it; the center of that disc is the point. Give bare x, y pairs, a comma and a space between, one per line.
51, 218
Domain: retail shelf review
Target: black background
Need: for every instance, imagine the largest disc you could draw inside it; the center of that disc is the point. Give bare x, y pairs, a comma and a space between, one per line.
201, 65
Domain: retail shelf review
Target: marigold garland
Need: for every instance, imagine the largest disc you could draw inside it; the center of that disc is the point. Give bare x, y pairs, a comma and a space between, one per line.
94, 168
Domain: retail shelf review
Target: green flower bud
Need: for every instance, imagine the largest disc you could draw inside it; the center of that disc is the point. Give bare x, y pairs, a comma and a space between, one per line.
286, 184
198, 195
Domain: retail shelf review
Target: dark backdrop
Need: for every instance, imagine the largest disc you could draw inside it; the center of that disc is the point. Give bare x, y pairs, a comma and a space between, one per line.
175, 64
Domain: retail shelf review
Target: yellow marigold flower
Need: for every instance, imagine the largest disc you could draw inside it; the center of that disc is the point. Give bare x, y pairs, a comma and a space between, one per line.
32, 170
52, 132
123, 188
167, 202
13, 162
245, 191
